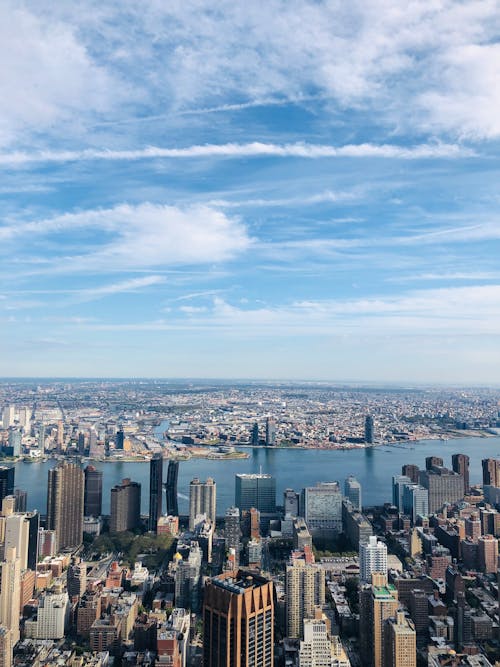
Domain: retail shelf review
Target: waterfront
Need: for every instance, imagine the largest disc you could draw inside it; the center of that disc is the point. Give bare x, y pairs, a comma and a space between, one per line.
293, 468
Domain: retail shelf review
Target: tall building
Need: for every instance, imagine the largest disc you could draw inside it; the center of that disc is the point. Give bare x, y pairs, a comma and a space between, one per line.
15, 441
460, 465
155, 491
400, 642
187, 578
491, 472
304, 591
125, 506
120, 439
202, 500
372, 558
232, 532
65, 492
378, 603
10, 594
21, 532
254, 438
433, 461
52, 617
6, 655
171, 488
41, 438
6, 481
291, 503
76, 579
369, 429
412, 471
398, 485
322, 507
415, 501
238, 621
488, 554
255, 490
352, 491
444, 486
318, 649
93, 492
21, 499
8, 416
270, 432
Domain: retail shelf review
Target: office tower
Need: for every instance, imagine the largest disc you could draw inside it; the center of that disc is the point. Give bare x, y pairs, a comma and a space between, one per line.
21, 532
93, 492
125, 506
8, 416
10, 593
270, 432
155, 491
6, 655
322, 507
81, 443
15, 441
400, 642
33, 520
372, 558
432, 461
491, 472
352, 491
65, 491
238, 621
460, 465
21, 499
120, 439
202, 500
444, 486
369, 430
291, 504
378, 602
412, 471
304, 591
255, 490
76, 580
415, 501
254, 438
488, 554
398, 484
232, 531
6, 481
171, 488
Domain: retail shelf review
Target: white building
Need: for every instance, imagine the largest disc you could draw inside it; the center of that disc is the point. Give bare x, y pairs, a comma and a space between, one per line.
323, 507
17, 536
52, 618
10, 595
318, 649
372, 558
8, 416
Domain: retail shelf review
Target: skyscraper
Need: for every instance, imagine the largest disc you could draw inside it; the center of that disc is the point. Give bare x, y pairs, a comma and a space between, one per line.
304, 590
270, 432
76, 579
291, 502
443, 485
155, 491
254, 439
372, 558
352, 490
432, 461
322, 508
10, 593
202, 500
232, 532
171, 488
369, 429
120, 439
6, 481
21, 533
238, 621
460, 465
125, 506
6, 656
400, 642
65, 495
93, 492
488, 554
255, 490
412, 471
378, 602
491, 472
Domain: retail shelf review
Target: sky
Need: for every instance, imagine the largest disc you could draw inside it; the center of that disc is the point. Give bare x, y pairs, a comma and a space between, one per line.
277, 189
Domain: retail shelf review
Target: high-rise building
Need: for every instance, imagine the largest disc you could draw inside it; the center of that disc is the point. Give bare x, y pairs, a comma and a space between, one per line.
65, 493
322, 507
291, 503
93, 492
473, 527
304, 591
60, 436
21, 499
318, 649
6, 481
8, 416
41, 438
232, 532
378, 602
398, 485
254, 438
238, 621
400, 642
76, 579
444, 486
6, 654
352, 491
125, 506
24, 417
415, 501
270, 432
460, 465
488, 554
155, 491
491, 472
433, 461
21, 532
10, 594
255, 490
52, 617
15, 441
369, 429
372, 558
171, 488
120, 439
202, 500
412, 471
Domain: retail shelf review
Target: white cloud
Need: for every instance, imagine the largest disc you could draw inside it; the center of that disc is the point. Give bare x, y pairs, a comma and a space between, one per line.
124, 286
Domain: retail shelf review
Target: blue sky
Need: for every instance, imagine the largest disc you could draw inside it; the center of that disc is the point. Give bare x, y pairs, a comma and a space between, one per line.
296, 189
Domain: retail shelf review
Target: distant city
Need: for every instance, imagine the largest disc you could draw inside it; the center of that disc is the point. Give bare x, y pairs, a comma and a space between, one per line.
313, 576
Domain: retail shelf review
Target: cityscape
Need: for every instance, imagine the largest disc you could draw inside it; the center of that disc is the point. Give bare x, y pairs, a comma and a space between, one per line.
230, 568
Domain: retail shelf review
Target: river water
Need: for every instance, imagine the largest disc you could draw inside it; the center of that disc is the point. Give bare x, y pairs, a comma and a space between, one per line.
294, 468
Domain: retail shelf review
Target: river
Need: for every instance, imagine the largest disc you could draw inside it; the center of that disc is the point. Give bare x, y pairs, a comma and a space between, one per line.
294, 468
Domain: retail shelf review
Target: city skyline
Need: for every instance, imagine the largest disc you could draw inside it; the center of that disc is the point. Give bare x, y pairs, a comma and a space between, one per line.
312, 196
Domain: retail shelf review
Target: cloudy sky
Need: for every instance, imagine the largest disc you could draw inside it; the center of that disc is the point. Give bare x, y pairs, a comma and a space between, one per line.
280, 189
